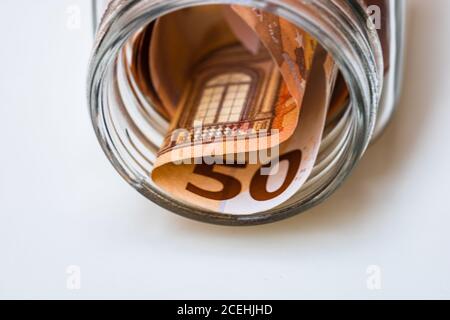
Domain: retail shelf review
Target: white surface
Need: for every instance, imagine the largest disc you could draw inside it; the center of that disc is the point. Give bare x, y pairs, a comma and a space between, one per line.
62, 203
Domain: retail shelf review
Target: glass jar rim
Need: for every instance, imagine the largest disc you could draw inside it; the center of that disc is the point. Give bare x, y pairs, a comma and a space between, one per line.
355, 47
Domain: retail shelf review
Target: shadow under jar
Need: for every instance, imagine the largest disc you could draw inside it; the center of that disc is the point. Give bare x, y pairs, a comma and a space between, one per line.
365, 39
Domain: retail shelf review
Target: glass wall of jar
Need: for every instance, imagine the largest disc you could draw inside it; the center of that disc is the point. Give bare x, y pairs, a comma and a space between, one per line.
365, 38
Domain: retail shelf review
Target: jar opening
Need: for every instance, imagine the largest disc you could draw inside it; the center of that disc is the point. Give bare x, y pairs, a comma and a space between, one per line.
133, 113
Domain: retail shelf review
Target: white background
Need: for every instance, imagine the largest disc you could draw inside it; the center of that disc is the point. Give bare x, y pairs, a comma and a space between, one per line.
62, 203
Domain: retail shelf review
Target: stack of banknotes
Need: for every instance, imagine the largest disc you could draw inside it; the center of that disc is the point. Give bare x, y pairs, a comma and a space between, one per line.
257, 107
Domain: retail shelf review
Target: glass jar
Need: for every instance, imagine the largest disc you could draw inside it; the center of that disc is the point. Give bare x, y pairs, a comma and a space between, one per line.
368, 52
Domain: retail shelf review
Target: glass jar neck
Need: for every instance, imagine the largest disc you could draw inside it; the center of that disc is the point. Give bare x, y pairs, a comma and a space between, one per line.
342, 27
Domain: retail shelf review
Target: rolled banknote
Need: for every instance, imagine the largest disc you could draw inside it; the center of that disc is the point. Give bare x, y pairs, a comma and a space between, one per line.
235, 101
244, 188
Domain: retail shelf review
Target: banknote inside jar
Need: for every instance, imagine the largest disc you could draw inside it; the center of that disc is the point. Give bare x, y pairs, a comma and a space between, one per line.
239, 111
